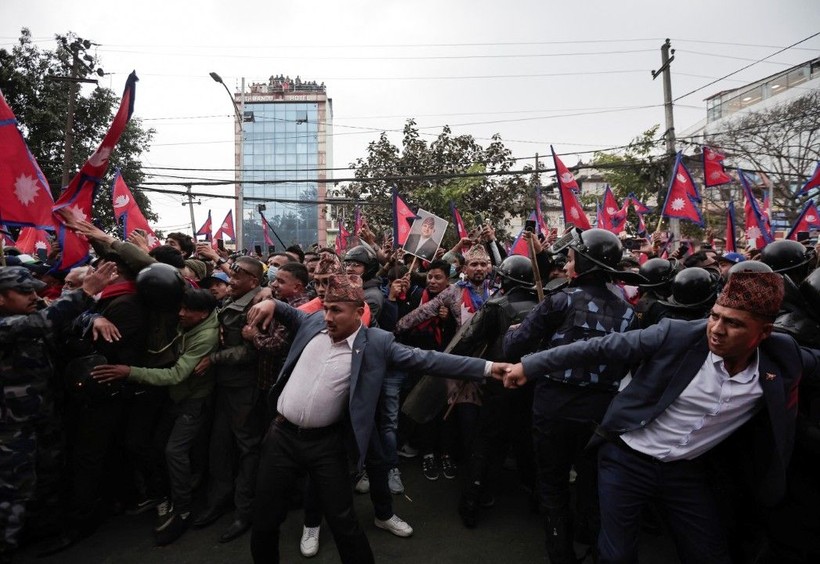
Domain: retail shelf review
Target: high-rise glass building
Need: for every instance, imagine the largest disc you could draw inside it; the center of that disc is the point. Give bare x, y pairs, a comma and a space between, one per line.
283, 157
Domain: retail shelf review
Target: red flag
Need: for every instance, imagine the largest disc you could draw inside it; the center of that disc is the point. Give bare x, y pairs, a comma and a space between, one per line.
567, 186
808, 219
341, 239
679, 202
128, 212
713, 172
563, 175
613, 216
539, 217
268, 241
757, 231
461, 229
639, 207
731, 241
205, 229
77, 198
812, 182
641, 225
358, 220
31, 240
7, 240
24, 191
226, 228
403, 218
520, 246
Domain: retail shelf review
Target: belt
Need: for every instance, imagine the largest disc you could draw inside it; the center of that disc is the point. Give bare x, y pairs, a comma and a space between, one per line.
621, 444
305, 432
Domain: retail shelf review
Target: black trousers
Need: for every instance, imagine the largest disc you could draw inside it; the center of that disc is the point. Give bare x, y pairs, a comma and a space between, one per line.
287, 454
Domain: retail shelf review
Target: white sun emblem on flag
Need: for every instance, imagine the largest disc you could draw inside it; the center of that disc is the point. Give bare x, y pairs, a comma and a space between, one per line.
811, 218
752, 233
121, 201
574, 213
26, 188
78, 214
710, 155
41, 245
567, 177
224, 226
715, 175
100, 156
681, 178
678, 204
611, 211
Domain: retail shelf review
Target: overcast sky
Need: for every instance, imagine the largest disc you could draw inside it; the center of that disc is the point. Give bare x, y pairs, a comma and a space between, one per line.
541, 72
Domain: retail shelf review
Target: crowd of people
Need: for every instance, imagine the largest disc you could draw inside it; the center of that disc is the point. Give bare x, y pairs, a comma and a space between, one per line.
645, 390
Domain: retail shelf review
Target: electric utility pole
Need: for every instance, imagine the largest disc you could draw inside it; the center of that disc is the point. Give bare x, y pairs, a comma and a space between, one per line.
667, 56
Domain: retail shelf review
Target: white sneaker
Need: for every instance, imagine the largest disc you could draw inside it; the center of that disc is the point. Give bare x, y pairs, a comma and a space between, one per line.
395, 525
309, 544
363, 484
394, 481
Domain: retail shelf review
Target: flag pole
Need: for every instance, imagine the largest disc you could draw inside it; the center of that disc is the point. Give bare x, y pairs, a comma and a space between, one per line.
539, 286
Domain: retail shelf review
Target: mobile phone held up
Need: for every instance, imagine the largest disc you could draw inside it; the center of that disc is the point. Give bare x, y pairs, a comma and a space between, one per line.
529, 225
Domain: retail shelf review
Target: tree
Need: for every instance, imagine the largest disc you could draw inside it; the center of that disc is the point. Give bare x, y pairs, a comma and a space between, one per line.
497, 198
783, 142
40, 102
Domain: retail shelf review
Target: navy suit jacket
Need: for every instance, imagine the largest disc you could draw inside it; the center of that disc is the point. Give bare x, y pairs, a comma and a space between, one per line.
374, 351
668, 356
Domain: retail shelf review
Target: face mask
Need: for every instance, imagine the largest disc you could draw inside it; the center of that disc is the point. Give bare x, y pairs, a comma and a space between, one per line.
453, 271
272, 270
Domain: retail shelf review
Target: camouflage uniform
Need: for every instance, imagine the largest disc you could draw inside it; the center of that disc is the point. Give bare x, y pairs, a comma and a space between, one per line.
31, 445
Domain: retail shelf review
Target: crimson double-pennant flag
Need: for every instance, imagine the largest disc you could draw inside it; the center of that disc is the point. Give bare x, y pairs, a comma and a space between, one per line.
24, 192
539, 216
226, 228
807, 220
680, 204
757, 228
812, 182
265, 234
128, 213
637, 205
520, 246
731, 241
612, 215
567, 188
641, 226
461, 229
358, 220
714, 174
403, 218
206, 229
33, 241
341, 238
78, 197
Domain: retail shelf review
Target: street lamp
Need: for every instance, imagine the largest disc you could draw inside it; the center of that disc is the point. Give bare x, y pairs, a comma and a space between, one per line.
240, 197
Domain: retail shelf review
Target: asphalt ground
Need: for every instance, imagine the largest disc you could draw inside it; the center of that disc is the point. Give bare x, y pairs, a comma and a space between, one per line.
507, 533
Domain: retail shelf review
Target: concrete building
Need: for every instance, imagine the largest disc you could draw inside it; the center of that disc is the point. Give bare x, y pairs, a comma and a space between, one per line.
284, 158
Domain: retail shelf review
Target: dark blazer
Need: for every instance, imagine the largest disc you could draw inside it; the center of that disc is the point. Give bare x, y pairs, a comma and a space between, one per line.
668, 356
426, 251
374, 350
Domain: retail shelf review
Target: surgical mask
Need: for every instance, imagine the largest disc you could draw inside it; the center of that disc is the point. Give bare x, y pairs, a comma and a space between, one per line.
272, 270
453, 271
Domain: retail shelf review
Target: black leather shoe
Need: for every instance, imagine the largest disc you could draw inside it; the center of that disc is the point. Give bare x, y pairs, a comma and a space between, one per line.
208, 517
238, 528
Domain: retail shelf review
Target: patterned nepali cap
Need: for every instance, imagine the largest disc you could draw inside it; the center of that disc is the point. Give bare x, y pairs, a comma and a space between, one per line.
760, 293
328, 264
19, 278
476, 252
344, 288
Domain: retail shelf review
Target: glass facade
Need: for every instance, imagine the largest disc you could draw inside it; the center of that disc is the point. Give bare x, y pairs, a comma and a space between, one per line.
281, 146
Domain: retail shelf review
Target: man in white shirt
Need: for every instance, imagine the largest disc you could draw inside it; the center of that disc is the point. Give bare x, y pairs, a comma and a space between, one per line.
696, 384
327, 391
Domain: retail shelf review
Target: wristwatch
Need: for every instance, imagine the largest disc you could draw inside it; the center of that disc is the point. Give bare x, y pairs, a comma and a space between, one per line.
220, 261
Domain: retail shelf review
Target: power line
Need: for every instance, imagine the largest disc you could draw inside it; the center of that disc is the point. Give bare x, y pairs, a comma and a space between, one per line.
748, 66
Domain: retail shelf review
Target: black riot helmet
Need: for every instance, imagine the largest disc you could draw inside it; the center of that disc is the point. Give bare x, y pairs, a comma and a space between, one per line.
659, 272
161, 286
596, 250
788, 257
810, 289
364, 255
694, 288
515, 271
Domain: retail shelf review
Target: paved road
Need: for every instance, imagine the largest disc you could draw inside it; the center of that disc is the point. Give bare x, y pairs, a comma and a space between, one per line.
507, 533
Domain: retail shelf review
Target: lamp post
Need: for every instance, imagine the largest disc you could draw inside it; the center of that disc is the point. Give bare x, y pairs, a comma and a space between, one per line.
240, 197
